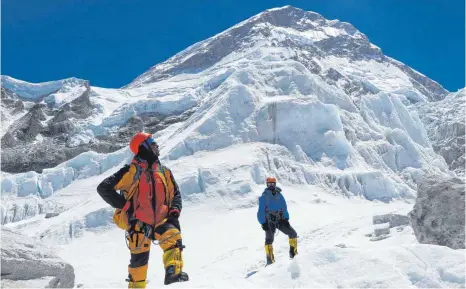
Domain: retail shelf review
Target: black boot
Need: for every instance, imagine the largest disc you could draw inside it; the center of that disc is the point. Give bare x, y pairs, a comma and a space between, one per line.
269, 261
293, 247
171, 278
292, 252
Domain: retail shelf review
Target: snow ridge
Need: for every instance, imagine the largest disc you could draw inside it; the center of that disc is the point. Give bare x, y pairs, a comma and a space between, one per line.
285, 93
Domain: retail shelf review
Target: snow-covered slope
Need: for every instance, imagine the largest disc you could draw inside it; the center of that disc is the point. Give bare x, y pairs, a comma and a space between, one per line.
445, 125
334, 51
35, 91
336, 245
302, 53
285, 93
261, 93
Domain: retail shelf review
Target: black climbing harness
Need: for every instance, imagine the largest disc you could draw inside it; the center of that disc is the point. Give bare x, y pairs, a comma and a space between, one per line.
273, 217
143, 228
148, 231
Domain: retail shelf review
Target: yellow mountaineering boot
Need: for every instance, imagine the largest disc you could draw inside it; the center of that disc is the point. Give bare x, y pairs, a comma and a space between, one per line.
269, 253
171, 244
137, 284
173, 262
293, 247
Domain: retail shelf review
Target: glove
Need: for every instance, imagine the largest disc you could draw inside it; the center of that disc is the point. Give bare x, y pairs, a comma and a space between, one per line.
174, 212
265, 226
172, 218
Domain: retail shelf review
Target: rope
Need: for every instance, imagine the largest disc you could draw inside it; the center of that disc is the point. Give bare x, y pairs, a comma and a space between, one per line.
164, 240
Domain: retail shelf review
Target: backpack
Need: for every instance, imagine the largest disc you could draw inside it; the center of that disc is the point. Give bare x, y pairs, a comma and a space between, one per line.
127, 187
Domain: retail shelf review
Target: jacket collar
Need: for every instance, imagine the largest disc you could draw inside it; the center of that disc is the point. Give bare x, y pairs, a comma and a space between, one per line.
268, 191
144, 164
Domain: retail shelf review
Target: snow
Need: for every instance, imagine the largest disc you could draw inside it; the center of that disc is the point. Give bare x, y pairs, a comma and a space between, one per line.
26, 195
35, 91
445, 125
381, 76
389, 111
66, 94
42, 282
341, 159
9, 119
165, 106
370, 151
310, 36
27, 262
333, 247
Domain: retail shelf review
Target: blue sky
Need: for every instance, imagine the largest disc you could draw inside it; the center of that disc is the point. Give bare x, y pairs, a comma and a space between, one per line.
111, 42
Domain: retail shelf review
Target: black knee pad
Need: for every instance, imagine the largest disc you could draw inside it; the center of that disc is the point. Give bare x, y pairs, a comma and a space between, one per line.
169, 224
174, 222
138, 260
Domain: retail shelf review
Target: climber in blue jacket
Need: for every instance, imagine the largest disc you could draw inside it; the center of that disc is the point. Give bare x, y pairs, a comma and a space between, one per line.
273, 214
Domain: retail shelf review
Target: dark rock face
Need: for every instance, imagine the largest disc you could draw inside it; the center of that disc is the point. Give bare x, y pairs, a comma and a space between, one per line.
438, 215
42, 138
38, 139
26, 259
11, 101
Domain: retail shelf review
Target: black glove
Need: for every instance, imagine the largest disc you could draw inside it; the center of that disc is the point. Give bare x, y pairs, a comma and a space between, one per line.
174, 212
172, 218
265, 226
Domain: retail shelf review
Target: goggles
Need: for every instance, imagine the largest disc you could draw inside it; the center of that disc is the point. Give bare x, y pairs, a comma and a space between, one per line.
150, 142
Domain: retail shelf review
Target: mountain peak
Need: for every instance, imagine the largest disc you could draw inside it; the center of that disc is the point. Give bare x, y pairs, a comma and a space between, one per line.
292, 12
302, 36
242, 36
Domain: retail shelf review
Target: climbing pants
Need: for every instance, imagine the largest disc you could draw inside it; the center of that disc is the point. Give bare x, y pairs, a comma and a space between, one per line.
169, 239
284, 227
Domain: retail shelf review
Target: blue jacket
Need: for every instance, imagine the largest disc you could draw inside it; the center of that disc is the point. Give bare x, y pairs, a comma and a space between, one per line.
270, 203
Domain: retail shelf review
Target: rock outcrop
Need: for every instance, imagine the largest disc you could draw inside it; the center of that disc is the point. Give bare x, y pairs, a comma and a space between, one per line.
27, 262
438, 215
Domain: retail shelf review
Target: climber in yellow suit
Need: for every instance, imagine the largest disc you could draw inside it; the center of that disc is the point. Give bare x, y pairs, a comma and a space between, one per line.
148, 209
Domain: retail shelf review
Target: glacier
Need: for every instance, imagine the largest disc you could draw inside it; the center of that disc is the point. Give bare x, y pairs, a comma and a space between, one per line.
348, 132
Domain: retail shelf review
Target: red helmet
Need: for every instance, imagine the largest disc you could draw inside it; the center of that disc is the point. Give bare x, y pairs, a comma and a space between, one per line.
137, 140
271, 180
